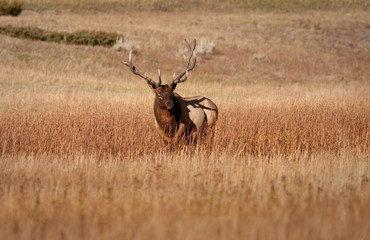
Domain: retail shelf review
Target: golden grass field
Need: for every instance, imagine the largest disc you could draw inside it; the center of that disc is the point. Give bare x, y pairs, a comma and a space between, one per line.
80, 158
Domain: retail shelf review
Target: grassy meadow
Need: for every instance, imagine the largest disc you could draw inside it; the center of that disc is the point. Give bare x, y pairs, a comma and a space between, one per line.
290, 159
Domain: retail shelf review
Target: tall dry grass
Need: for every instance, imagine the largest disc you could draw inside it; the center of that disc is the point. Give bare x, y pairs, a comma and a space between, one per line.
185, 196
260, 129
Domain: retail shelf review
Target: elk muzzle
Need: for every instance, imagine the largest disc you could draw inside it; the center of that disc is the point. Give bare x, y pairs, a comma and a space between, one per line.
169, 104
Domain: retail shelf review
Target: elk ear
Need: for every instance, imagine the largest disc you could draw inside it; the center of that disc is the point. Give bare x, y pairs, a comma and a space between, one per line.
173, 86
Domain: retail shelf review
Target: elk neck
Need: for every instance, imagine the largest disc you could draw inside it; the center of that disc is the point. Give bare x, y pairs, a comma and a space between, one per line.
164, 116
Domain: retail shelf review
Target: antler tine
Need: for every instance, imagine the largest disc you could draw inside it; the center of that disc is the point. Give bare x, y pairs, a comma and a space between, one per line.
187, 42
184, 79
159, 77
179, 78
192, 54
136, 72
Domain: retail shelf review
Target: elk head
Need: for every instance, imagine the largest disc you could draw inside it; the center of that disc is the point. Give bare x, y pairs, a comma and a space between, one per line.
164, 92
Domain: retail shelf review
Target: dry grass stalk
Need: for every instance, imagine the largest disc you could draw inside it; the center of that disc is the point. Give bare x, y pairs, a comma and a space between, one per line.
284, 128
202, 196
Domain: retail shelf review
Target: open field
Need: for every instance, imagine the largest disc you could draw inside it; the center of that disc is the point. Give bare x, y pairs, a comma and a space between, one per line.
164, 5
80, 158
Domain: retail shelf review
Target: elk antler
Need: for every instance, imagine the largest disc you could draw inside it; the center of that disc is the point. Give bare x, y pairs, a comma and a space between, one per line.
150, 82
179, 78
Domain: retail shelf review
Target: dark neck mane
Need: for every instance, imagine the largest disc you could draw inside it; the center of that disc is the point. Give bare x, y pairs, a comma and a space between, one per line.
167, 119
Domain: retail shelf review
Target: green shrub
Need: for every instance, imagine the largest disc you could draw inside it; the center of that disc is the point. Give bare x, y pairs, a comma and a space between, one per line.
78, 38
54, 37
13, 8
92, 38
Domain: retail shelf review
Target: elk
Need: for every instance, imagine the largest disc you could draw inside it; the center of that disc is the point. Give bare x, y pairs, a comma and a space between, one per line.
179, 118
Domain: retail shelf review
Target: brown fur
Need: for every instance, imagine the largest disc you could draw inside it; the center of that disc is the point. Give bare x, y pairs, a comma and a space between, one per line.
187, 119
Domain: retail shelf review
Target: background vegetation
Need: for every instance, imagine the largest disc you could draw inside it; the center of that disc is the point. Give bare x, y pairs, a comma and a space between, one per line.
78, 38
80, 158
11, 8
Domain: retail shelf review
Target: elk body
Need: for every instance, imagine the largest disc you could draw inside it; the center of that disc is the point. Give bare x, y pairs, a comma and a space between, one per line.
179, 118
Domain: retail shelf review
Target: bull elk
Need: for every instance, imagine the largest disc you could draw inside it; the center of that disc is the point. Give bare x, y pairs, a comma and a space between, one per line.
176, 117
